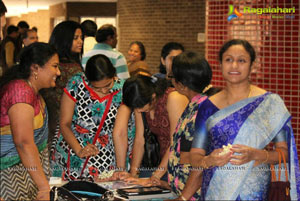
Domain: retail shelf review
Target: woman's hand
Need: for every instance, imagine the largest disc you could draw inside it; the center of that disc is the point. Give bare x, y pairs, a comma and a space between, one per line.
245, 154
215, 159
89, 150
139, 181
155, 180
120, 175
43, 195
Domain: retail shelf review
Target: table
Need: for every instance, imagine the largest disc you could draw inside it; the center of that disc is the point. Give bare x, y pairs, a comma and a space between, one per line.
114, 185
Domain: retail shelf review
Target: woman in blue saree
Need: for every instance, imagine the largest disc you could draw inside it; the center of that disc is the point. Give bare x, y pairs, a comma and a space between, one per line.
249, 118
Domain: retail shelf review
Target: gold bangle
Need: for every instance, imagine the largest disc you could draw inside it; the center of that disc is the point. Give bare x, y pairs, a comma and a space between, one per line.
267, 158
203, 164
182, 198
154, 175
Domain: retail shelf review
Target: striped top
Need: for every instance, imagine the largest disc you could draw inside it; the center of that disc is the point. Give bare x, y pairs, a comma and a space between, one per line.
116, 58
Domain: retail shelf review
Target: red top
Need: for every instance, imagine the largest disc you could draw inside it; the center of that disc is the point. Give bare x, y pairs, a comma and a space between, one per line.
16, 91
160, 125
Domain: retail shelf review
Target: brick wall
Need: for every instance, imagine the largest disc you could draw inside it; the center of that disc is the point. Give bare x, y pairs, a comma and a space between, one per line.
155, 23
103, 9
58, 10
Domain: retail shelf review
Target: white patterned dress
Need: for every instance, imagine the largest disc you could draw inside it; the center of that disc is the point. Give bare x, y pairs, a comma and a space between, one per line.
87, 123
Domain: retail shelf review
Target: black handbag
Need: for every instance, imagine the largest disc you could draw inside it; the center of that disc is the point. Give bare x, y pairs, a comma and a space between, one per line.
151, 158
279, 190
79, 191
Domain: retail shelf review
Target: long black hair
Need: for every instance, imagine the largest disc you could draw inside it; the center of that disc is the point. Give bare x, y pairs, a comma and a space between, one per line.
192, 70
36, 53
62, 39
138, 90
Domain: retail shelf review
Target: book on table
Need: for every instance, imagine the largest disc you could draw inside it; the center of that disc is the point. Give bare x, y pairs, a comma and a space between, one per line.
143, 191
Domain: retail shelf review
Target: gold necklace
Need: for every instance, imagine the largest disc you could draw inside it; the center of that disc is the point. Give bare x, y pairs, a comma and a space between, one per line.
30, 84
39, 99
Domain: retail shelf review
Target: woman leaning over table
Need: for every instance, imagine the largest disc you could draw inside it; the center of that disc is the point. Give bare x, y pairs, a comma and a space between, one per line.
191, 74
250, 118
162, 106
24, 124
89, 106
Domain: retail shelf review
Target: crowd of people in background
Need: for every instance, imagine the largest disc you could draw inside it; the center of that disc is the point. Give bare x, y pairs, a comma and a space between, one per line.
75, 108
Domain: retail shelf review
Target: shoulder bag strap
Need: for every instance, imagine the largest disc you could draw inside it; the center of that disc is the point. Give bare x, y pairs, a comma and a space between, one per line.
144, 120
284, 163
273, 169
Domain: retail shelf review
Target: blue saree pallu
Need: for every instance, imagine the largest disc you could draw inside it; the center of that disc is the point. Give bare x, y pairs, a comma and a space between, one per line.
253, 122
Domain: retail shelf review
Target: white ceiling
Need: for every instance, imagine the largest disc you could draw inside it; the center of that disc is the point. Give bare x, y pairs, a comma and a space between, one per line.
18, 7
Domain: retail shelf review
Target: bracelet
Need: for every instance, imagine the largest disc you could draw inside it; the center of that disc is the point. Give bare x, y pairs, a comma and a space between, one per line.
120, 169
267, 158
154, 175
182, 198
203, 164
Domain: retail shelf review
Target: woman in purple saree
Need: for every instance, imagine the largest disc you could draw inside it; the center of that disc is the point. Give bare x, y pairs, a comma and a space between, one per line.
249, 118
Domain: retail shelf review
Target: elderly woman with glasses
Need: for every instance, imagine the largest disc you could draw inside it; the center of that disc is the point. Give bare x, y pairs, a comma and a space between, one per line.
84, 145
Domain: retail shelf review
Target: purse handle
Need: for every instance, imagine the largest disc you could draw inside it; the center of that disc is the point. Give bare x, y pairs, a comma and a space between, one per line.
146, 126
280, 154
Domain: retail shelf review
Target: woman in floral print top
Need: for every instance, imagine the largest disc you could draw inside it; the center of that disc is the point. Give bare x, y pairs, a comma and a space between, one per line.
84, 145
191, 74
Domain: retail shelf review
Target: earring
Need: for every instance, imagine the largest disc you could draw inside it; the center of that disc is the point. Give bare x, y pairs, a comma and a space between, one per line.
35, 76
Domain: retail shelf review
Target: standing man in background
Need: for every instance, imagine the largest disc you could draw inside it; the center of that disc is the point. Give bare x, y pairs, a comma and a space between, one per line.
23, 26
106, 37
30, 36
8, 48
